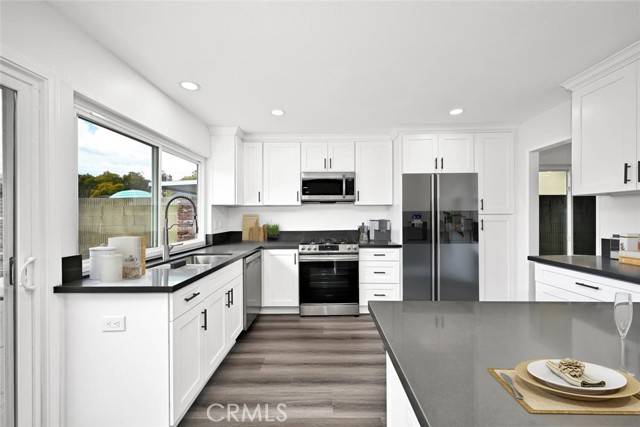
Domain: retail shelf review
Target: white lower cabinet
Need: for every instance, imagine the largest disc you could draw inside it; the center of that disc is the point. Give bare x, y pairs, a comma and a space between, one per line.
561, 284
497, 257
215, 342
280, 278
233, 320
379, 276
399, 410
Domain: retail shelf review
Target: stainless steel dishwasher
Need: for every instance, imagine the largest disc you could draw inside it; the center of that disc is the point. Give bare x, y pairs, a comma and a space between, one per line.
252, 288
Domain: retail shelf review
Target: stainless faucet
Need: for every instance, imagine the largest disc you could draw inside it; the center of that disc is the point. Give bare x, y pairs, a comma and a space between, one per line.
166, 248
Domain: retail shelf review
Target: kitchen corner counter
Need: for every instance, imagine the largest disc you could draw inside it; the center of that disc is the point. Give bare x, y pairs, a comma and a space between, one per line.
171, 280
441, 352
378, 245
595, 265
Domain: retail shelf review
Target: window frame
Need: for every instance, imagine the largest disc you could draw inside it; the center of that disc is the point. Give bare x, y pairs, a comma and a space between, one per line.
89, 110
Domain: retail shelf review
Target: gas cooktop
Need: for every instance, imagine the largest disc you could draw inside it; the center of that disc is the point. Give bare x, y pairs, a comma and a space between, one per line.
328, 246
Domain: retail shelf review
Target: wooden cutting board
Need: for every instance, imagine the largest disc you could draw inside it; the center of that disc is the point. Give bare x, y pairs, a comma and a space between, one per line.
248, 221
255, 232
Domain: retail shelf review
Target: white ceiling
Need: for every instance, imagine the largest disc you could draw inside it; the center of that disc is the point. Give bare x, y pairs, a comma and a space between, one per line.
359, 66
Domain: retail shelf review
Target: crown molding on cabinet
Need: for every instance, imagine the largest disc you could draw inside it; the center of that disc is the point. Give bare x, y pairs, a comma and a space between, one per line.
612, 63
461, 128
257, 137
226, 131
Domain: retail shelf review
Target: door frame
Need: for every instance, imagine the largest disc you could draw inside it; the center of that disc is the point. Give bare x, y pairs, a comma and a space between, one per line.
38, 371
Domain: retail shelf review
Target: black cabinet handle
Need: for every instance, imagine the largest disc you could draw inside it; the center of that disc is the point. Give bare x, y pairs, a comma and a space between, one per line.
298, 196
205, 319
378, 254
481, 204
626, 172
588, 286
195, 294
379, 295
258, 196
358, 195
441, 162
379, 272
295, 259
436, 163
232, 298
228, 303
325, 163
330, 166
482, 225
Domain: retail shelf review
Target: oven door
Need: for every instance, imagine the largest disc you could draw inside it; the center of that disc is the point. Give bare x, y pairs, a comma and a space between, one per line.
329, 279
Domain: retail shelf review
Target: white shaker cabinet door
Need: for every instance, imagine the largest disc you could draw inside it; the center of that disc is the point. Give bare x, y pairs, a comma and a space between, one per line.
281, 173
374, 173
420, 153
186, 362
496, 173
497, 260
280, 278
456, 153
313, 157
234, 313
341, 156
252, 173
214, 336
604, 129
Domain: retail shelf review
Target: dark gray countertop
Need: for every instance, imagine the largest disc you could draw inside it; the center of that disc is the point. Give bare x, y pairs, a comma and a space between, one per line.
441, 351
168, 281
597, 265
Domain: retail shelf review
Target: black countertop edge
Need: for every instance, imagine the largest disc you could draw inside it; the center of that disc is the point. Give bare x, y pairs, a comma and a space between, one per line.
378, 245
422, 418
598, 266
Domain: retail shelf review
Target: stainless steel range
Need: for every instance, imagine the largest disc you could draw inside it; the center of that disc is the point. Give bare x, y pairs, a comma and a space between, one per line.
329, 277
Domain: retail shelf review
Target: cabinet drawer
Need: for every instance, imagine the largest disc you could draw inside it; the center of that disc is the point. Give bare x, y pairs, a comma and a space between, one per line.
220, 278
183, 300
379, 254
379, 272
546, 293
379, 294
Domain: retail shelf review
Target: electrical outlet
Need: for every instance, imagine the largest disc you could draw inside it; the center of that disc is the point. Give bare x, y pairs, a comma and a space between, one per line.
113, 323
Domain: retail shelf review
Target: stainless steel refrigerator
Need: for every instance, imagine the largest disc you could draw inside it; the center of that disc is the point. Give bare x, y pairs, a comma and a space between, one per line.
440, 237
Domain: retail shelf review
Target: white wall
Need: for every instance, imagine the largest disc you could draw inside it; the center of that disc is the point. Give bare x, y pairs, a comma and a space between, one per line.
618, 214
34, 30
311, 217
549, 128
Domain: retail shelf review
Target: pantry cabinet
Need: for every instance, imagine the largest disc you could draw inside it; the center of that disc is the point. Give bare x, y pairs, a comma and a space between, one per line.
438, 153
281, 173
280, 278
604, 126
497, 257
374, 173
252, 174
334, 156
495, 164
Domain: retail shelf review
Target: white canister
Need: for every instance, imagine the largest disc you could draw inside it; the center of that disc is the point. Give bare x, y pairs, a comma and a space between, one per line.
95, 263
111, 268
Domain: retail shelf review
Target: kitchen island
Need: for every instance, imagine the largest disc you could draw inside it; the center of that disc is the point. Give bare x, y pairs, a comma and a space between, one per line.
441, 352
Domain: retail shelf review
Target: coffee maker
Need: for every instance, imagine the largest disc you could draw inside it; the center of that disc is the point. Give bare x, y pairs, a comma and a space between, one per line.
380, 230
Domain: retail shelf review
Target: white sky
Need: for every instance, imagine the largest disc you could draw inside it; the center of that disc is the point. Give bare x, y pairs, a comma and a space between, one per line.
100, 150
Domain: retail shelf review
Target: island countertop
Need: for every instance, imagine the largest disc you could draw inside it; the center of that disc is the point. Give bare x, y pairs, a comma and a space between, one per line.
442, 350
597, 265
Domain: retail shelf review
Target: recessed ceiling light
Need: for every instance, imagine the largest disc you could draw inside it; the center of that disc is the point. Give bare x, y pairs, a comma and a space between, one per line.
456, 111
190, 85
277, 112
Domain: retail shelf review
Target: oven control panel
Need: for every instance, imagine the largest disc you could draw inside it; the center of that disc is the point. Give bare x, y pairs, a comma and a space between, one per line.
328, 248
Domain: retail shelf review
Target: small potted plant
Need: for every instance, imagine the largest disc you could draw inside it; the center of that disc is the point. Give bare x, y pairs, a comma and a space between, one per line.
273, 231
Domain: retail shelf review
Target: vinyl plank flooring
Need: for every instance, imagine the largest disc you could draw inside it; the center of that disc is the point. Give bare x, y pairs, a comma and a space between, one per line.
328, 371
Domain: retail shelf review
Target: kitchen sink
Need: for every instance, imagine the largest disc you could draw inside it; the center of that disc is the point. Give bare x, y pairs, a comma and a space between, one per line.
197, 259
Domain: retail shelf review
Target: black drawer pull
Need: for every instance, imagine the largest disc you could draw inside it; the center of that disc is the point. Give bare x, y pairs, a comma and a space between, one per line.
205, 319
379, 254
195, 294
588, 286
379, 272
379, 295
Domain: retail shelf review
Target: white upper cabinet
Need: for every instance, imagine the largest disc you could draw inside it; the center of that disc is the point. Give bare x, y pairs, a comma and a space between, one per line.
456, 153
225, 169
281, 173
374, 173
336, 156
605, 140
438, 153
252, 174
496, 173
419, 153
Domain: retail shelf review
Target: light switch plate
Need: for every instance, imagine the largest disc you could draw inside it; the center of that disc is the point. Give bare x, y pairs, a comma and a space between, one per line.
113, 323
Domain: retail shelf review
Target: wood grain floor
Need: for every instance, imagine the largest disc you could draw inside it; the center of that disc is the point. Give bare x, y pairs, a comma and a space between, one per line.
328, 371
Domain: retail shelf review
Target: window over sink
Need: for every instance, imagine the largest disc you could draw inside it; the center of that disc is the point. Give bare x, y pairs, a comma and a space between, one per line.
126, 176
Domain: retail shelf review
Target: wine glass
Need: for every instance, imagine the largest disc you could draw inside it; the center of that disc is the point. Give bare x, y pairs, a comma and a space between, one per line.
623, 313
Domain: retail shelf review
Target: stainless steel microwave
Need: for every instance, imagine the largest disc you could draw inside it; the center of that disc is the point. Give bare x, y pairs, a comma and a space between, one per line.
328, 187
